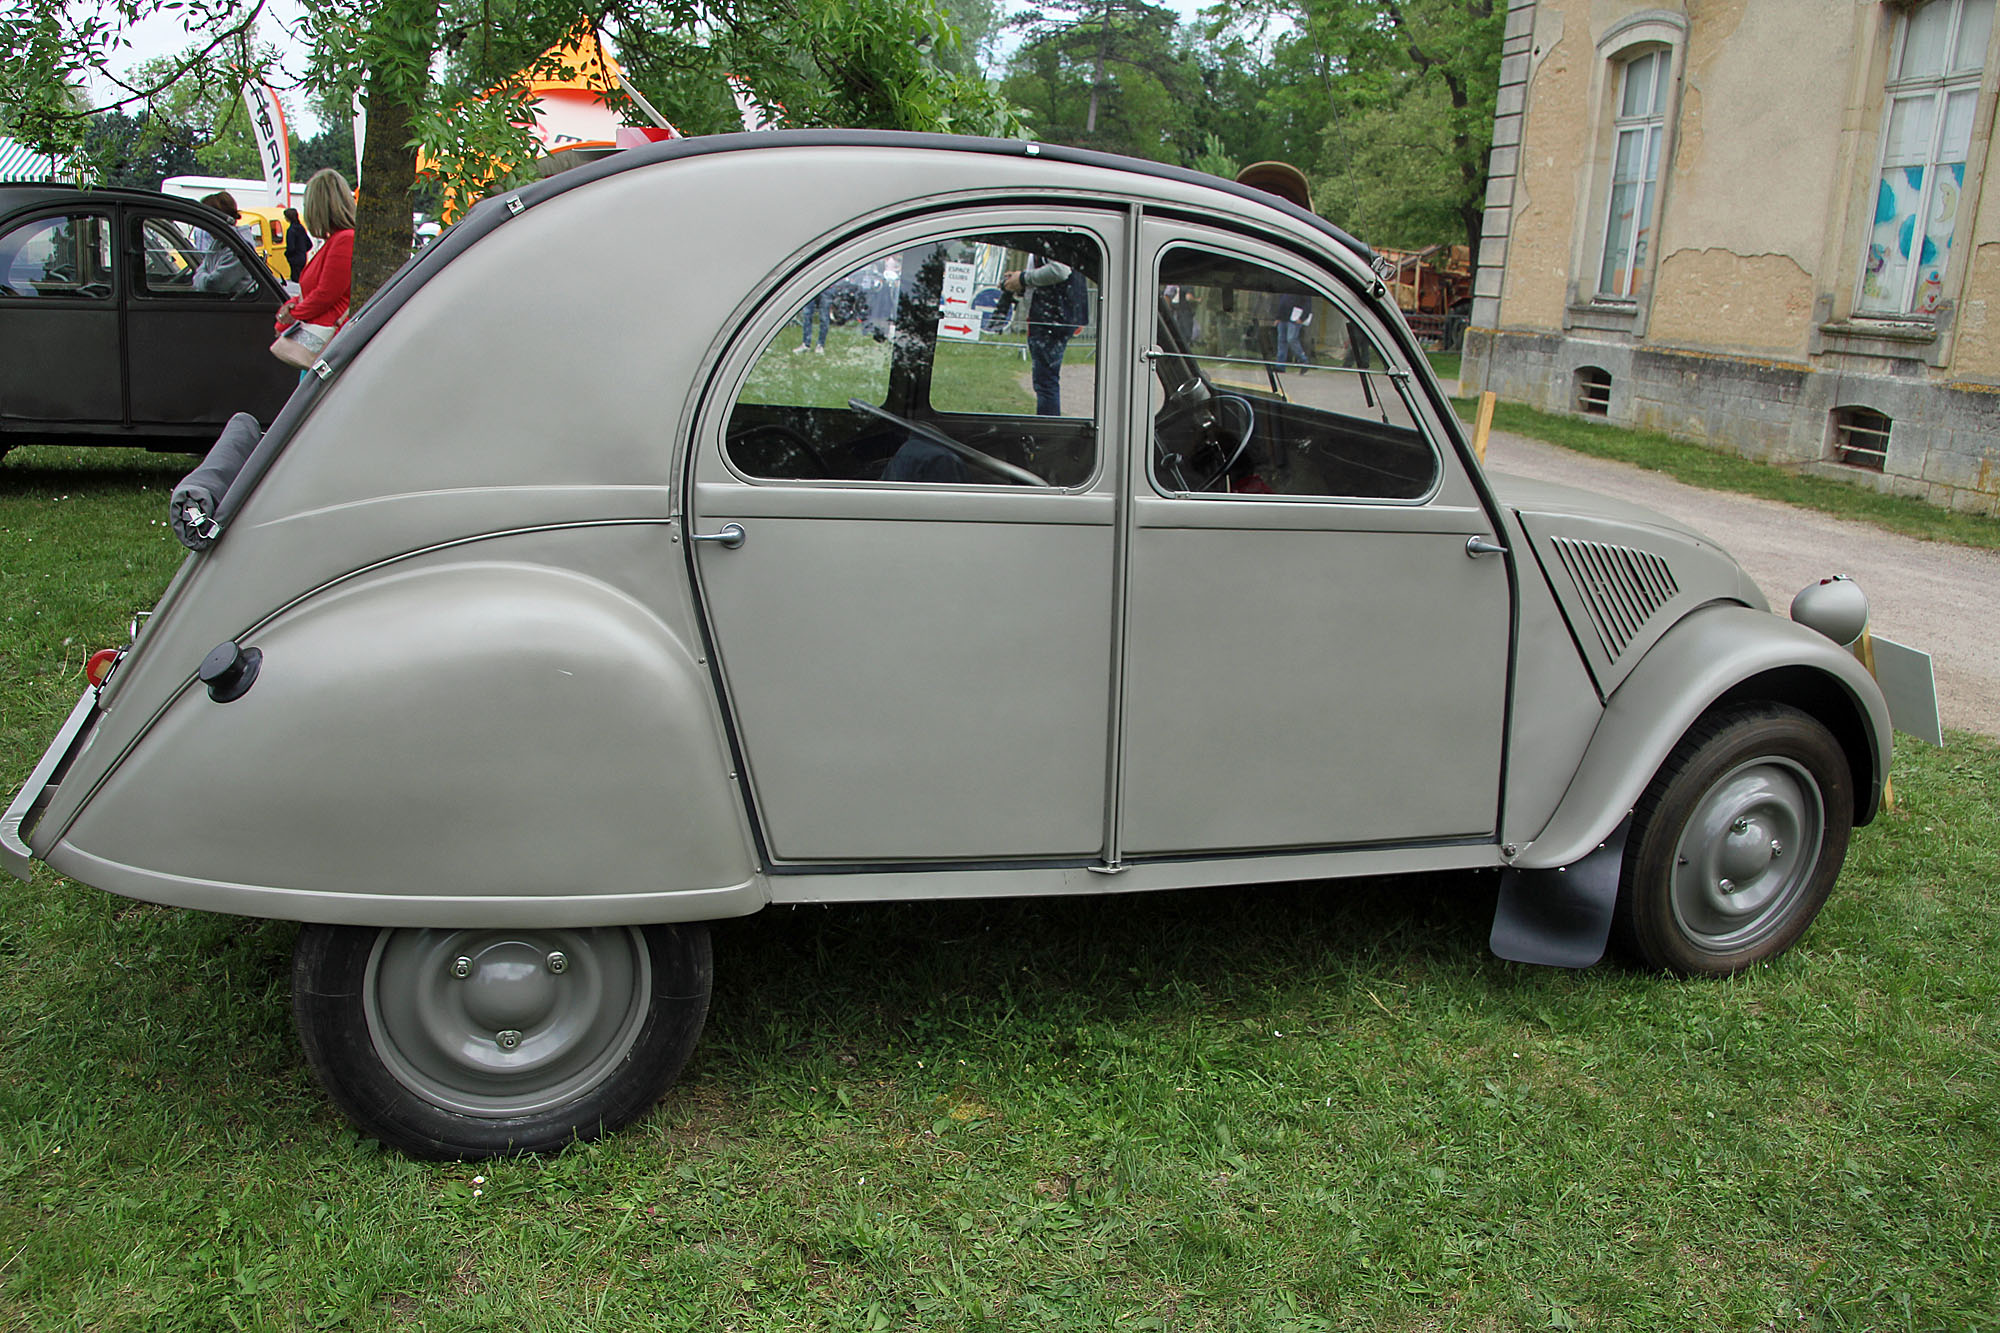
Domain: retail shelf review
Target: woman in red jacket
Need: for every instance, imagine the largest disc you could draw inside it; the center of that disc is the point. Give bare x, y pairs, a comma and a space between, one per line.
328, 282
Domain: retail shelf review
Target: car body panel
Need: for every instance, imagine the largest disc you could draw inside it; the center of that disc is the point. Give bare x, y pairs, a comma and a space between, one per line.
885, 691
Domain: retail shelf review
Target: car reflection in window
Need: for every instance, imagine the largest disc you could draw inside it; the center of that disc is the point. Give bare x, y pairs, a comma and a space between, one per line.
1263, 386
926, 376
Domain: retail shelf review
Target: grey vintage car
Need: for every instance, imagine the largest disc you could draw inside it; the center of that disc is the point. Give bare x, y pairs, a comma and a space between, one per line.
578, 598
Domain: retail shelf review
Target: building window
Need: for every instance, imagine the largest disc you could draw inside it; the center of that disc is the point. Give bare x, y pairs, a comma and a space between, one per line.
1860, 437
1593, 391
1635, 168
1926, 131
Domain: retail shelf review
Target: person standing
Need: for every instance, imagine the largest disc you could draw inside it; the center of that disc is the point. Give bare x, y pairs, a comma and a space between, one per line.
1055, 315
221, 270
327, 285
298, 246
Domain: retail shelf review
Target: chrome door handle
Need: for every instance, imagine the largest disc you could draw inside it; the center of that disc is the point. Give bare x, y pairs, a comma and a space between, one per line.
1478, 546
729, 538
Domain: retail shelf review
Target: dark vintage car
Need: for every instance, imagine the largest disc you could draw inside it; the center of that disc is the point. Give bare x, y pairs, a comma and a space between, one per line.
128, 317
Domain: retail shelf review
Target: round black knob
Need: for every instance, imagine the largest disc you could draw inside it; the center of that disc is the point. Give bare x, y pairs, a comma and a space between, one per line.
229, 671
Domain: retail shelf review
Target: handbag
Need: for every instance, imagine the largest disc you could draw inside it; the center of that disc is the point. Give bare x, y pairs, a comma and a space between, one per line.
300, 344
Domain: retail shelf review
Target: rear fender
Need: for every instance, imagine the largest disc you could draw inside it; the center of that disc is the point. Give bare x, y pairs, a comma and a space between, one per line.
474, 741
1720, 653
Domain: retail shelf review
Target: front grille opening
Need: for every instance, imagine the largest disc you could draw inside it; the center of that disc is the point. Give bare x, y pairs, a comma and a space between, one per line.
1593, 391
1860, 437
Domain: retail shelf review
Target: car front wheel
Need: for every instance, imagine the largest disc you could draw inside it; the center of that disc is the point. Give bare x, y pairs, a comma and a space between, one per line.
490, 1042
1736, 843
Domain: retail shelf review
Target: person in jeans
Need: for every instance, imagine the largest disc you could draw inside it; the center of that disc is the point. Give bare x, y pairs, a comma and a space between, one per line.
1055, 313
820, 305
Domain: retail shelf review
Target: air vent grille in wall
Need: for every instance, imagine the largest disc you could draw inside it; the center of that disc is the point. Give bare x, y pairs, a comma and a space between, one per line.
1620, 588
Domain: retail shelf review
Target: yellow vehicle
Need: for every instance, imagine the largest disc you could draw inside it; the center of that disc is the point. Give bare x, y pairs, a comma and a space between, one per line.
263, 225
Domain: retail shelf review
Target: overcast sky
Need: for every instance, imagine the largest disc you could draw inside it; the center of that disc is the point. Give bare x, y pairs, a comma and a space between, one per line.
162, 35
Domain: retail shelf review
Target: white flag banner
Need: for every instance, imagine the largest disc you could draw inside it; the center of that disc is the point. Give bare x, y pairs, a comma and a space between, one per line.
360, 133
274, 145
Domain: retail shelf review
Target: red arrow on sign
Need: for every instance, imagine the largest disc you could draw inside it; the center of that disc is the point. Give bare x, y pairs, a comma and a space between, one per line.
955, 328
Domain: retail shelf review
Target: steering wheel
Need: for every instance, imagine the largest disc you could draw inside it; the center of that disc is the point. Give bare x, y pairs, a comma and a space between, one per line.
1020, 476
93, 290
792, 448
1235, 455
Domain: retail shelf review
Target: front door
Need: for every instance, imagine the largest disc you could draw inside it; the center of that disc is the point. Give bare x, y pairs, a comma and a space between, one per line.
913, 614
1313, 659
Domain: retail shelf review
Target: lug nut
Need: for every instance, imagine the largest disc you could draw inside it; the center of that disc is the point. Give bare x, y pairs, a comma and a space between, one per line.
558, 962
1740, 826
508, 1040
461, 967
1777, 848
1727, 885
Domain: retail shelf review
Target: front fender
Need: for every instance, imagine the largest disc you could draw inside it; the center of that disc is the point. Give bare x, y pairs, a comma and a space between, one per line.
467, 742
1717, 651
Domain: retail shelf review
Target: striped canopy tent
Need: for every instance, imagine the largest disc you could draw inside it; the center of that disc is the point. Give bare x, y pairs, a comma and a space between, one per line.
18, 162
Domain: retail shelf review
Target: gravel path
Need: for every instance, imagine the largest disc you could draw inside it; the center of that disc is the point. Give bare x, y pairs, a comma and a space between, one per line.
1942, 598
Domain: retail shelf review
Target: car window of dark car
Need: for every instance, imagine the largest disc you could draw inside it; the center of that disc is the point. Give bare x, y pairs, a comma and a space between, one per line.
187, 259
918, 366
68, 256
1265, 385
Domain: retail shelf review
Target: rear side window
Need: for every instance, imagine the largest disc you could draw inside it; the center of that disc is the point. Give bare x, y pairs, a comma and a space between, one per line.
968, 360
65, 257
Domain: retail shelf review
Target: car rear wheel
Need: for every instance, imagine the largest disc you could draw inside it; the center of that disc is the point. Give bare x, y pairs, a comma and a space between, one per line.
1736, 843
490, 1042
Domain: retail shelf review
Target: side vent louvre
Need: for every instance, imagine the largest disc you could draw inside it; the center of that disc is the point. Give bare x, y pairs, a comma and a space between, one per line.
1621, 588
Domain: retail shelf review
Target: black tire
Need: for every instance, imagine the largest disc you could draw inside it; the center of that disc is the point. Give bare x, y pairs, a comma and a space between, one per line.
1737, 842
492, 1042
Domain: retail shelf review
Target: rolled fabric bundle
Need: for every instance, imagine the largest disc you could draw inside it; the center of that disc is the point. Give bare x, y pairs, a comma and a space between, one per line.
191, 511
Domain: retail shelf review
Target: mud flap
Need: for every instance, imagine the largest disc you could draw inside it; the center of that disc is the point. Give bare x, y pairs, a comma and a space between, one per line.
1560, 917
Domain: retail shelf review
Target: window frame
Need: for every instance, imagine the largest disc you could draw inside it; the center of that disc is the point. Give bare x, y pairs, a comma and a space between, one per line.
776, 307
107, 239
1939, 89
1650, 128
1649, 32
1326, 291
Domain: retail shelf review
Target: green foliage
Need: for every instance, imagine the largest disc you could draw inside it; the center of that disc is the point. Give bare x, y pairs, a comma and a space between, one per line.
1387, 105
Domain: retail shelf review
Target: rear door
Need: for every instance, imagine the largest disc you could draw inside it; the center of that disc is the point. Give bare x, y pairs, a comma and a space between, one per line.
914, 611
60, 337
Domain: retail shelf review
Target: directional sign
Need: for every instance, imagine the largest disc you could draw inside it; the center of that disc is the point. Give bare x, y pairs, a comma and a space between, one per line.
957, 319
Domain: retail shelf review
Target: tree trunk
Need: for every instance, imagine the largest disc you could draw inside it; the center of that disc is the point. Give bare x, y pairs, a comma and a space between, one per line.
383, 230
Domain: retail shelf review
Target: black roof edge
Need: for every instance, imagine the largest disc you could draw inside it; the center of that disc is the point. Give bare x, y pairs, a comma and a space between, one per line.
669, 149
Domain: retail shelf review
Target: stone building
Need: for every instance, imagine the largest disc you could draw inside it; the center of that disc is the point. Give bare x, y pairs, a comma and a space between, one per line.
1771, 226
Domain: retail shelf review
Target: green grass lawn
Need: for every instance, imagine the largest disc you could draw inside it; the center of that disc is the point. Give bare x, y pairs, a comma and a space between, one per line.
1313, 1106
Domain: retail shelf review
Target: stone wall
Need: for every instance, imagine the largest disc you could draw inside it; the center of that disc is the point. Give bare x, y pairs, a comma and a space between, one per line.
1944, 443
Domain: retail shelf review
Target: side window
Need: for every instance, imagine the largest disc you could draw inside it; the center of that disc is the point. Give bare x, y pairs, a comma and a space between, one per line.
1926, 140
1635, 170
183, 258
1263, 386
67, 257
968, 360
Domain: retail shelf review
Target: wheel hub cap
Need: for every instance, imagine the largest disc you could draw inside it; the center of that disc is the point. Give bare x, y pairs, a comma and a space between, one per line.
483, 1023
1746, 853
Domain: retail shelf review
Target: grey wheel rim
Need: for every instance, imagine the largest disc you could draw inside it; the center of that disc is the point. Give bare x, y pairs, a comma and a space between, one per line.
506, 1023
1747, 854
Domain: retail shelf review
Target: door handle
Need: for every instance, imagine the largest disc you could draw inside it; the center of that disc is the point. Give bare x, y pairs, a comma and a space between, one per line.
1478, 546
728, 539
